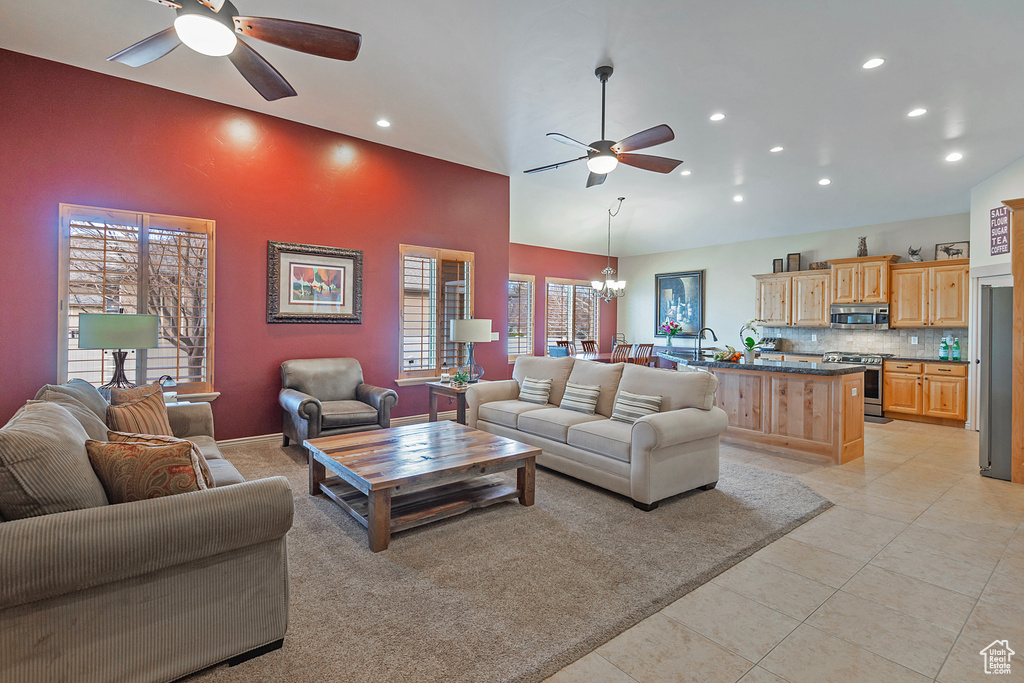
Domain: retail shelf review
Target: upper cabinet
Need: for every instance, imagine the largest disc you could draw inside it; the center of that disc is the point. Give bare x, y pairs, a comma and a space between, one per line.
862, 280
929, 294
794, 299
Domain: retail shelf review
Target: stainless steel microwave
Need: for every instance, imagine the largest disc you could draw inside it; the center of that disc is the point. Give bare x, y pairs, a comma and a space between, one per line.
860, 316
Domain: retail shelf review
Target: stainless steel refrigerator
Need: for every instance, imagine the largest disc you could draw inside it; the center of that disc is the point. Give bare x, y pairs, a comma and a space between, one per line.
996, 362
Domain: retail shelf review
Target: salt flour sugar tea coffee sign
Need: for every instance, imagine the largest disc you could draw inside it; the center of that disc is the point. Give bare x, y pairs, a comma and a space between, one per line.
999, 222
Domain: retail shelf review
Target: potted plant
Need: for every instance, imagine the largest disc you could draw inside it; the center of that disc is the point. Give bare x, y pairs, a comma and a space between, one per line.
671, 328
460, 380
750, 336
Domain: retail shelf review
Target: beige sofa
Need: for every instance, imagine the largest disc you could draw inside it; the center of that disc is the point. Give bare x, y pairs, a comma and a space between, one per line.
145, 591
658, 456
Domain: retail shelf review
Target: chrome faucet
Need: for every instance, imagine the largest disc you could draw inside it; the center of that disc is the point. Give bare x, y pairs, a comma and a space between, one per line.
700, 339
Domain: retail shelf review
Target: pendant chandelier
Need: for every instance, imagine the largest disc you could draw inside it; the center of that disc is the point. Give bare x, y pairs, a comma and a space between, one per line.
610, 288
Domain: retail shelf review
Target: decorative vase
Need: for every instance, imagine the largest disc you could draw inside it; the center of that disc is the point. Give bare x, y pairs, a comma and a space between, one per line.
669, 341
749, 355
862, 247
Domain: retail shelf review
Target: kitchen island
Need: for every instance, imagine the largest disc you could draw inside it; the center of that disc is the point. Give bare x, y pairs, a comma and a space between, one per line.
807, 409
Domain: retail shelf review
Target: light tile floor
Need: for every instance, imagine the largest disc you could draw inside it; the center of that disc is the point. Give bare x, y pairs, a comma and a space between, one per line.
919, 566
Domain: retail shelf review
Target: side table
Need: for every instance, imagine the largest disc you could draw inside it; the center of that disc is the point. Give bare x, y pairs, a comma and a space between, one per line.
435, 389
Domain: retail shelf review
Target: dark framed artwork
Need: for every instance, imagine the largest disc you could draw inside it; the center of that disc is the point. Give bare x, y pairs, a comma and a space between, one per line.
679, 297
778, 265
792, 263
950, 250
312, 284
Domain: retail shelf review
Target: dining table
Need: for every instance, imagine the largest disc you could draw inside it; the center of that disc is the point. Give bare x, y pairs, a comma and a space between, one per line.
606, 357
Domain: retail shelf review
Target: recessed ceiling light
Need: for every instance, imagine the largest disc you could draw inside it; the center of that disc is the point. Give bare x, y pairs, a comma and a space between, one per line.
920, 111
777, 148
954, 156
685, 172
874, 63
738, 198
718, 116
824, 181
383, 123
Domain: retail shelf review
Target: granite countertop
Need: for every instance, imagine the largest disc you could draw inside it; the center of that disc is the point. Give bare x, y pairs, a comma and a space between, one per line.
927, 360
772, 366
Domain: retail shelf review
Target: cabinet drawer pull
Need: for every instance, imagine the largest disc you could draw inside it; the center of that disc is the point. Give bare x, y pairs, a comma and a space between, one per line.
943, 369
903, 367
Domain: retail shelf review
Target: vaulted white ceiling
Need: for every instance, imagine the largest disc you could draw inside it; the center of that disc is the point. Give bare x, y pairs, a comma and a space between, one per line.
479, 82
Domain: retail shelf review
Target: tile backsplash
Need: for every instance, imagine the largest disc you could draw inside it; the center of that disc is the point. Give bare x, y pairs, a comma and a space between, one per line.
895, 342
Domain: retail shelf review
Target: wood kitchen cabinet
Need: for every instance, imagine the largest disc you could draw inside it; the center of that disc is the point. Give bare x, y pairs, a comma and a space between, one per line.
812, 299
929, 294
933, 392
863, 280
773, 297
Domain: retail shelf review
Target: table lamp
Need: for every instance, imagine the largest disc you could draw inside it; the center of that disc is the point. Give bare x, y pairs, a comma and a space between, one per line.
471, 331
117, 331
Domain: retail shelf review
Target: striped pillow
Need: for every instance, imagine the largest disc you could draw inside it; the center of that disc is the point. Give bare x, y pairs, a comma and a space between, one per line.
535, 390
145, 416
580, 397
630, 407
118, 397
198, 459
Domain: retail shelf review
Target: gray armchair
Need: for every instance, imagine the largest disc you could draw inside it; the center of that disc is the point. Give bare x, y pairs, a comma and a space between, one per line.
327, 396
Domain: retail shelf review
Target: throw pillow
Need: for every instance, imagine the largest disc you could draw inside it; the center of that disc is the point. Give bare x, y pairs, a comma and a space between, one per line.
81, 391
118, 397
630, 407
145, 416
198, 459
535, 390
580, 397
93, 425
137, 471
44, 467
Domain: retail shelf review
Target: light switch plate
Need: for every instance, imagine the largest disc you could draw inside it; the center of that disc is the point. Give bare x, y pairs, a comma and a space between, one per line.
913, 340
495, 336
814, 337
854, 391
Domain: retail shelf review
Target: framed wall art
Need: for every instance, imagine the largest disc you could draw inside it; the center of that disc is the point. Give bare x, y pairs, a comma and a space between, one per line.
679, 297
950, 250
778, 265
793, 263
312, 284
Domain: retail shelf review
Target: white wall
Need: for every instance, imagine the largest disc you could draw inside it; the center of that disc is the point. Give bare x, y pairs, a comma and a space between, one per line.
728, 285
1007, 184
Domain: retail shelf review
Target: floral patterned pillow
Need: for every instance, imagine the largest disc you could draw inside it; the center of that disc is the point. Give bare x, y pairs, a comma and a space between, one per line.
137, 471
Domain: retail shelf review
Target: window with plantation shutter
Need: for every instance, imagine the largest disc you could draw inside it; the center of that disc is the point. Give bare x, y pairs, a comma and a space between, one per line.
130, 262
570, 311
436, 288
520, 316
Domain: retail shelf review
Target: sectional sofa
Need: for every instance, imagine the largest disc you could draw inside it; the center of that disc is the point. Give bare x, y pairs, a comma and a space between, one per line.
658, 456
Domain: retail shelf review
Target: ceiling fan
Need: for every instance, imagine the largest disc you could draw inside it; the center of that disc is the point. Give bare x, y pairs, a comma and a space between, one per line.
604, 155
209, 27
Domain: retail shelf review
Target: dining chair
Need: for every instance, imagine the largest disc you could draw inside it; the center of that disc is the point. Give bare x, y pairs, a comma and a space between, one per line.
620, 354
643, 353
569, 346
590, 346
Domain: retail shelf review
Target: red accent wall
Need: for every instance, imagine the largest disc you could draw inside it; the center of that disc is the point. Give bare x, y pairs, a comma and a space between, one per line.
542, 262
75, 136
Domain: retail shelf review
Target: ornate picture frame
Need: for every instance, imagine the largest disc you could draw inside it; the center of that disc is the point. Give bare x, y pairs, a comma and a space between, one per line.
314, 284
679, 296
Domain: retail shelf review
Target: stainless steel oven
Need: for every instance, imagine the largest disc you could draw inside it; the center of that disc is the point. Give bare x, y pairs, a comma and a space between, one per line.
860, 316
872, 363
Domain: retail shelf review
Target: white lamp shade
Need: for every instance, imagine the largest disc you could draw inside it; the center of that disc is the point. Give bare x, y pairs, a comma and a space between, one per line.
474, 330
117, 331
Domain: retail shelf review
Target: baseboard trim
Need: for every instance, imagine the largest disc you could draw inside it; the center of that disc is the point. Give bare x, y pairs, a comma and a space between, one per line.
278, 436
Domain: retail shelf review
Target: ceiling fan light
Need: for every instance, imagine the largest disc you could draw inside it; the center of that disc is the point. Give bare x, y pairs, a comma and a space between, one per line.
602, 163
205, 34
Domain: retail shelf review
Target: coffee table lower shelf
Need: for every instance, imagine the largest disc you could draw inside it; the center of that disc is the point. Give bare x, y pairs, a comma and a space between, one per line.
422, 507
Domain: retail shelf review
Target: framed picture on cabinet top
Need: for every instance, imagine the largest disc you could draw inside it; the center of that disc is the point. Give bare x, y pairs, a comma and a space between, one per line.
679, 297
950, 250
792, 263
778, 265
313, 284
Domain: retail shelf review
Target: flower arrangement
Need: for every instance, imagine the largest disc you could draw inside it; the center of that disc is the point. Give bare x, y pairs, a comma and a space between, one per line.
671, 328
750, 333
460, 379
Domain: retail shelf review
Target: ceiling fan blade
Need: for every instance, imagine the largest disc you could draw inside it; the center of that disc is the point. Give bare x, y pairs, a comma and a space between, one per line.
596, 179
551, 166
167, 3
314, 39
566, 140
148, 49
650, 163
644, 139
266, 79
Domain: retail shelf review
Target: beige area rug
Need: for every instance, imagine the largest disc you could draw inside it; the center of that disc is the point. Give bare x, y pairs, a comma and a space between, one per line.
507, 593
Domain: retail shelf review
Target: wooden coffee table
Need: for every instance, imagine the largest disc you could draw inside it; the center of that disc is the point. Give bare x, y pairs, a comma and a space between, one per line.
402, 477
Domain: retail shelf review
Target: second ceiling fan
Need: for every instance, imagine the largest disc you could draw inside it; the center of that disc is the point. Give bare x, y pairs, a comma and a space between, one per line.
604, 155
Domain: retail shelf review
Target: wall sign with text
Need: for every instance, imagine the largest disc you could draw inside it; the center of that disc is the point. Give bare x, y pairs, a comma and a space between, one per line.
999, 223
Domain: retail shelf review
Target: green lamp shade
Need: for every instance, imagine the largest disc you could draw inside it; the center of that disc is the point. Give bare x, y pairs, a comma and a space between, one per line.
117, 331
